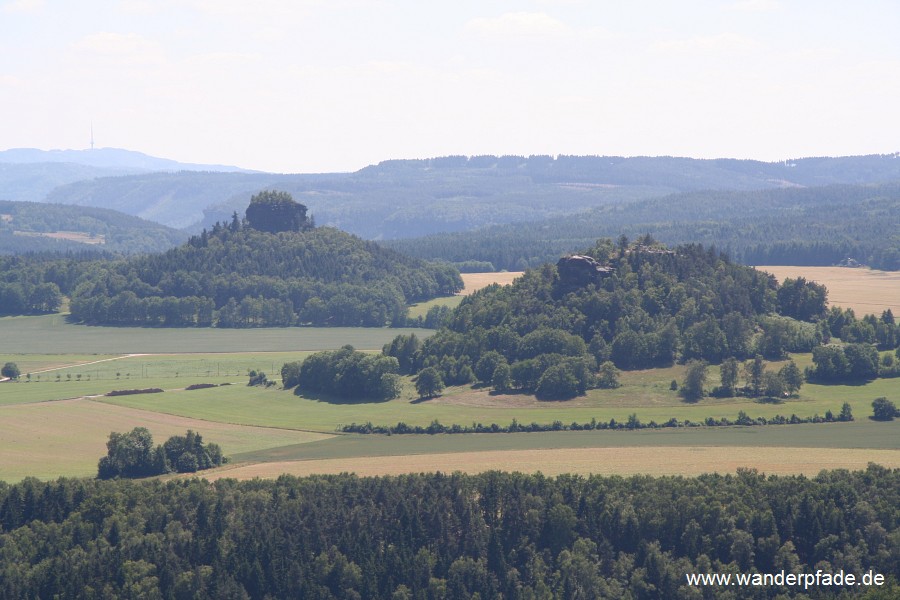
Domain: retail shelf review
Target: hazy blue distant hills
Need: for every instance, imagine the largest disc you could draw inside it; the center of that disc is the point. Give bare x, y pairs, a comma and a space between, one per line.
820, 225
411, 198
33, 181
28, 174
106, 158
174, 199
42, 227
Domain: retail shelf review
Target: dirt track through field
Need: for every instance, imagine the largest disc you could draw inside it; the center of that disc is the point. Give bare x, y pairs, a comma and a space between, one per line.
689, 461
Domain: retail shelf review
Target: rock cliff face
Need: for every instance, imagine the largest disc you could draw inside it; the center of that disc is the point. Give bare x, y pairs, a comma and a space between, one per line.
581, 270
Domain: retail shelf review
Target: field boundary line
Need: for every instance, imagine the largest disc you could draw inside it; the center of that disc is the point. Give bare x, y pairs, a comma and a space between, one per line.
98, 400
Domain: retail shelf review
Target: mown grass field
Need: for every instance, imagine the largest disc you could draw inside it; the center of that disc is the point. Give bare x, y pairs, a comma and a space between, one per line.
421, 309
866, 291
53, 334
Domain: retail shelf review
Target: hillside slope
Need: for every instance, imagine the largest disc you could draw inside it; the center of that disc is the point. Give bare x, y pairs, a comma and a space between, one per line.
239, 277
42, 227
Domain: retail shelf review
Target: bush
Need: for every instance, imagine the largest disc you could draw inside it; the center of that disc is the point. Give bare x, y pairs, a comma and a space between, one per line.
130, 392
10, 370
883, 409
429, 383
201, 386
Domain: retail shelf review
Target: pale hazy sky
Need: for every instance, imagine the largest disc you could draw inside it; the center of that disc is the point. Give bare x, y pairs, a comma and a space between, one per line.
329, 85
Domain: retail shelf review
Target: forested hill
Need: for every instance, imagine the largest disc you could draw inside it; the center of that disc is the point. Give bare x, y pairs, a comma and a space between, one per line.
792, 226
237, 276
638, 306
409, 198
42, 227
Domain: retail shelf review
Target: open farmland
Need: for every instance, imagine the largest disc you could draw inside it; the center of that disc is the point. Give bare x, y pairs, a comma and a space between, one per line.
866, 291
52, 439
57, 423
475, 281
52, 333
643, 393
472, 282
691, 460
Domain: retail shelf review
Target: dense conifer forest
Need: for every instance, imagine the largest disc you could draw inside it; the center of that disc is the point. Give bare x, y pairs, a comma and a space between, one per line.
491, 536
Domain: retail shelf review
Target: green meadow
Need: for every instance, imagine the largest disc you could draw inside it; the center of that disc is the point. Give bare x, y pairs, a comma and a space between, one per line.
53, 333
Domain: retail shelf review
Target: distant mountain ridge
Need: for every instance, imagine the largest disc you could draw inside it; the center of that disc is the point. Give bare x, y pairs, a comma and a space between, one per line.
108, 158
410, 198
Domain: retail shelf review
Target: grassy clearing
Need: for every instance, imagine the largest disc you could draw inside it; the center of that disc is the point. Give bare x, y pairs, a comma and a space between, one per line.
51, 333
162, 366
67, 438
866, 291
165, 371
690, 460
644, 393
421, 309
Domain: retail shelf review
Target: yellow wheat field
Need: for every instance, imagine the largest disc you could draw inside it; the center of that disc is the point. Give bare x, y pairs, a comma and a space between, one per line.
606, 461
866, 291
475, 281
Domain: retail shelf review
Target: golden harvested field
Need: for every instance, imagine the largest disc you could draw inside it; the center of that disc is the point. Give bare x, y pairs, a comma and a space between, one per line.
68, 437
475, 281
866, 291
72, 236
688, 461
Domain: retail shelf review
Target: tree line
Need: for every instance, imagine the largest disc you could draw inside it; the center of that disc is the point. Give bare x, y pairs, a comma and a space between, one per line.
883, 410
494, 535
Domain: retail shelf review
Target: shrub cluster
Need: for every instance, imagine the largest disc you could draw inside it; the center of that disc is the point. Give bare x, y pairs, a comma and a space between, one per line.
201, 386
131, 392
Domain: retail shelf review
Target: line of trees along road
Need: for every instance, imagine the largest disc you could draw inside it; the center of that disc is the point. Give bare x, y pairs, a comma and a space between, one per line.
489, 536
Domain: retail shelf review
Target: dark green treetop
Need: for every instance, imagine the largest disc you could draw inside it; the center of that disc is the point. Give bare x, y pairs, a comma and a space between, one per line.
274, 212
